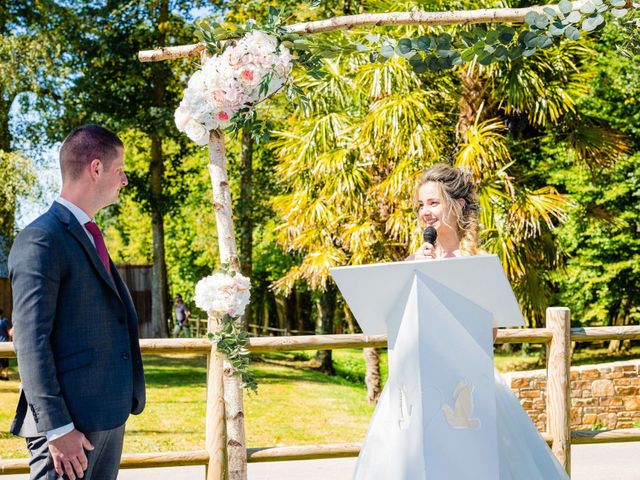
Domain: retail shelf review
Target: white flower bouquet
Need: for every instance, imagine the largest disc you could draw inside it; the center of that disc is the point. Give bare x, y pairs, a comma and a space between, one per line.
246, 73
223, 294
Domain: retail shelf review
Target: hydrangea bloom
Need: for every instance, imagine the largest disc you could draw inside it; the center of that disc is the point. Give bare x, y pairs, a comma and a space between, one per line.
221, 294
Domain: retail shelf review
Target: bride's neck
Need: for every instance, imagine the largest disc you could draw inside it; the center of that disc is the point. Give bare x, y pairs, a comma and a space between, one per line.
449, 243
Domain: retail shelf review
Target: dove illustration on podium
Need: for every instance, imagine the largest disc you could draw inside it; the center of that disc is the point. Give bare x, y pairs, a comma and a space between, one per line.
460, 416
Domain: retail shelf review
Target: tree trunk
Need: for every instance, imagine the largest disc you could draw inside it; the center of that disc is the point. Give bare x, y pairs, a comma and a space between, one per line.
470, 101
326, 306
618, 321
348, 316
245, 213
299, 319
159, 285
281, 312
372, 377
160, 303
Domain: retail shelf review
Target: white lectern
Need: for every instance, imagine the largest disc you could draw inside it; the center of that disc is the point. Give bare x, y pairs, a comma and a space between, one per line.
436, 418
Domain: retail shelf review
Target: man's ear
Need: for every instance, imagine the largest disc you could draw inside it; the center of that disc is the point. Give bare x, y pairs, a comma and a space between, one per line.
95, 168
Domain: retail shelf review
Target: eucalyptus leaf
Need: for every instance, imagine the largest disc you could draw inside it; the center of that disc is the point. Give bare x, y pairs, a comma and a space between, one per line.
443, 53
619, 12
468, 39
419, 67
479, 47
492, 37
516, 52
501, 53
544, 41
361, 48
574, 17
423, 43
572, 33
542, 22
588, 8
404, 46
555, 30
506, 34
485, 59
443, 40
387, 51
591, 23
479, 32
468, 55
531, 18
550, 11
455, 59
530, 39
617, 3
372, 38
528, 52
565, 6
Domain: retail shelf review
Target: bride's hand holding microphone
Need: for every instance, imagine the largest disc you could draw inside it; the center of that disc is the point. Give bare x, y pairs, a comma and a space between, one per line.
428, 249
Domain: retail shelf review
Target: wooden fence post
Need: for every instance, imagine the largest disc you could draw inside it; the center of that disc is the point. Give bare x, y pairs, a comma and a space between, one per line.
559, 384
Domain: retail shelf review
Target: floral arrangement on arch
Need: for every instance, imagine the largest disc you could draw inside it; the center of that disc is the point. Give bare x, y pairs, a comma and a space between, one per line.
224, 295
246, 72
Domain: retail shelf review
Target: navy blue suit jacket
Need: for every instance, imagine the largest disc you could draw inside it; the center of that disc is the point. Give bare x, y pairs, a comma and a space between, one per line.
75, 331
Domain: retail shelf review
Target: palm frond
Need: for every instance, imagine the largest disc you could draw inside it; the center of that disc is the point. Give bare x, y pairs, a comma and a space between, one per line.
485, 149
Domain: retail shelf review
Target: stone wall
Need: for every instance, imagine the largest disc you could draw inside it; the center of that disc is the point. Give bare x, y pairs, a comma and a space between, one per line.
602, 396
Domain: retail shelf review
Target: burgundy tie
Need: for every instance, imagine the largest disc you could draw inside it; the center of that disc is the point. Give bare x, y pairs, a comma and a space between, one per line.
95, 232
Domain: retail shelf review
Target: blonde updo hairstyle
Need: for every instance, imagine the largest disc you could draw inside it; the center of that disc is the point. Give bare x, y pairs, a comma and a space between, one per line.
455, 184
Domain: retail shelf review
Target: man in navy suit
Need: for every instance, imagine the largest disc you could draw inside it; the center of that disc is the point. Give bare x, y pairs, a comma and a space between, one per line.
75, 326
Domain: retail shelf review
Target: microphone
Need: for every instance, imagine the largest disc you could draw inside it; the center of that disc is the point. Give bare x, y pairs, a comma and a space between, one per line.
429, 235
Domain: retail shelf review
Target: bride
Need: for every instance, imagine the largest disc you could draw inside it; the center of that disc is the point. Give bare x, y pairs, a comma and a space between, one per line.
446, 201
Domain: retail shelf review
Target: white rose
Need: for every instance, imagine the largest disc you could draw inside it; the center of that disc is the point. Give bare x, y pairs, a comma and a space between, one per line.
197, 132
182, 118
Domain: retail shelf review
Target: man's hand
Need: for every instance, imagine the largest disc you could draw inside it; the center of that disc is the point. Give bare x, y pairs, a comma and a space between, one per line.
68, 454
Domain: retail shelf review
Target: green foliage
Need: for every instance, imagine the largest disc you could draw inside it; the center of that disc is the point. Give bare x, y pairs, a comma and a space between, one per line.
490, 44
601, 280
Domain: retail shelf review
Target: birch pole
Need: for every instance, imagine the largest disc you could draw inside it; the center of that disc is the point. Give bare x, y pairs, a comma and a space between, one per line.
233, 405
433, 19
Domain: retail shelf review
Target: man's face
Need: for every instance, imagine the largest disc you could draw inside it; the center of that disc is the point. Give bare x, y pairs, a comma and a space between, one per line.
112, 179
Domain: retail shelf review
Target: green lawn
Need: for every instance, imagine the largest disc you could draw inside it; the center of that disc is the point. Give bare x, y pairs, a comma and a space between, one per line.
295, 405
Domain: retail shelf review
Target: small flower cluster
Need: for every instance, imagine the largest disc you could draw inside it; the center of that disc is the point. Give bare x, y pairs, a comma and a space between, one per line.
244, 74
223, 294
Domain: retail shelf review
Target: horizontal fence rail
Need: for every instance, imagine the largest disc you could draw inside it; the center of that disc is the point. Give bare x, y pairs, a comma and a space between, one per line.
302, 452
331, 342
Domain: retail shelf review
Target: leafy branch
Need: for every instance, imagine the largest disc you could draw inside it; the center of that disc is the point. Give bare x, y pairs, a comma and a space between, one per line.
503, 43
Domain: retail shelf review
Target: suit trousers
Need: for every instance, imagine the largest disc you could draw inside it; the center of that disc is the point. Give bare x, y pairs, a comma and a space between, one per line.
103, 460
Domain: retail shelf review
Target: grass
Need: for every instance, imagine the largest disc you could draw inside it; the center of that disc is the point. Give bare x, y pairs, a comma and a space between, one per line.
295, 404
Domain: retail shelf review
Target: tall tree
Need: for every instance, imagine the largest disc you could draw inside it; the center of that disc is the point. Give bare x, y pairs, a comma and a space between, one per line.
29, 66
112, 88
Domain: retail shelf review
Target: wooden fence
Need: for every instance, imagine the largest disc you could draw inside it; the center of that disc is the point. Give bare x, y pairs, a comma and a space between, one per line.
557, 336
198, 329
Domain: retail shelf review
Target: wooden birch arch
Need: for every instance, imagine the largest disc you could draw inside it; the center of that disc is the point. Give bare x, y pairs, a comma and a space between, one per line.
225, 438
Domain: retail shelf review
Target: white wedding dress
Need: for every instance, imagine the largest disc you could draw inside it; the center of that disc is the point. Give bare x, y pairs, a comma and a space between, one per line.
522, 452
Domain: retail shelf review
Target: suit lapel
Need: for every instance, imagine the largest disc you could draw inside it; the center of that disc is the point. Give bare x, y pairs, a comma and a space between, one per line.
66, 217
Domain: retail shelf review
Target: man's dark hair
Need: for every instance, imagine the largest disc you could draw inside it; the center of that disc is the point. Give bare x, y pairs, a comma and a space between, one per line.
85, 144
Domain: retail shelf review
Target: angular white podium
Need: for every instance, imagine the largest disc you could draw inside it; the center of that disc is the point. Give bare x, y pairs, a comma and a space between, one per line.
436, 418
